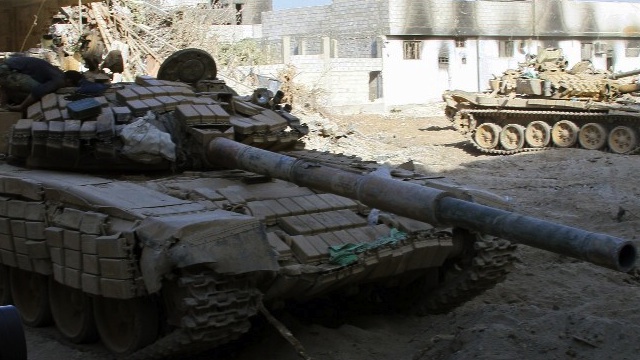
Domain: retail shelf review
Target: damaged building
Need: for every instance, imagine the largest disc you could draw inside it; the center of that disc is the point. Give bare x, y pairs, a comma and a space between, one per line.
395, 52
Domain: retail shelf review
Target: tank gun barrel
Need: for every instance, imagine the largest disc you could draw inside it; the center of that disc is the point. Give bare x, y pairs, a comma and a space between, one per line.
428, 204
624, 74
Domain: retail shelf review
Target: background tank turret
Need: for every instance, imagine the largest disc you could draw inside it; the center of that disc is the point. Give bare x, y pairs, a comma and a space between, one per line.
161, 216
545, 104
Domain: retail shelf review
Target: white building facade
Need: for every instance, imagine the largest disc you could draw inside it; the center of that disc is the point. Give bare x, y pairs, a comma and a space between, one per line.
397, 52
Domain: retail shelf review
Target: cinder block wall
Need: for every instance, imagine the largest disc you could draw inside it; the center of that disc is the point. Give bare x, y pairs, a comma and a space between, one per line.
354, 25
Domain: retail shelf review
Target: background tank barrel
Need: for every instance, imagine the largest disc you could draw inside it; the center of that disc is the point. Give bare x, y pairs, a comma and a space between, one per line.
430, 205
624, 74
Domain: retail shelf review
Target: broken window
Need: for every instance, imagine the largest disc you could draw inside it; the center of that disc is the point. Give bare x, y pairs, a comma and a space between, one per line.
505, 48
412, 50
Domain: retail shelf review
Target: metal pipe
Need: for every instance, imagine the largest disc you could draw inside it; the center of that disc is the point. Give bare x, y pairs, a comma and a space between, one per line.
427, 204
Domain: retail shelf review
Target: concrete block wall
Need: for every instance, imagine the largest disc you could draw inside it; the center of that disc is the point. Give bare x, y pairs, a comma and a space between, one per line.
300, 21
347, 80
364, 17
354, 24
340, 82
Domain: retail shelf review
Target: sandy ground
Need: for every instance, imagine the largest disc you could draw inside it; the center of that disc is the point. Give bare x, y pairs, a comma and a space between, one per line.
550, 306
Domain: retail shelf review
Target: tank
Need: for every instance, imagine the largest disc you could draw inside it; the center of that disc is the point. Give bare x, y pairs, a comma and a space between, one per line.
543, 104
162, 217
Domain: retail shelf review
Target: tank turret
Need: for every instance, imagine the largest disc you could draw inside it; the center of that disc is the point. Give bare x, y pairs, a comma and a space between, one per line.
160, 217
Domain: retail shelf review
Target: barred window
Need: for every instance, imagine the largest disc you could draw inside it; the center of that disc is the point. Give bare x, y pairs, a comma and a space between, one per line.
412, 50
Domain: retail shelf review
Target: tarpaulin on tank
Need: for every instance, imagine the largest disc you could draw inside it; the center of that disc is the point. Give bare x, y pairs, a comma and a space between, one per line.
145, 143
228, 242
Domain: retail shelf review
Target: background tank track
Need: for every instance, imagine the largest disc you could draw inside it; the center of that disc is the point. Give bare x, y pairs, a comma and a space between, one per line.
502, 117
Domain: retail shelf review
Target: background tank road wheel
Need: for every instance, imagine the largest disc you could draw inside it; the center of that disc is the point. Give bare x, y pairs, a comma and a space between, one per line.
592, 136
126, 325
512, 137
13, 345
538, 134
564, 133
5, 287
73, 313
487, 135
622, 139
31, 297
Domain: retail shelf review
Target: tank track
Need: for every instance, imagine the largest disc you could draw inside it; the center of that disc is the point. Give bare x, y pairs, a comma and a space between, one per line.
519, 114
488, 265
485, 263
215, 310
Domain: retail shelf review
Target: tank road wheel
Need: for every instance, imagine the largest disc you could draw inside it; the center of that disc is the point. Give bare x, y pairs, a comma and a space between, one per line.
564, 133
72, 312
622, 139
31, 297
512, 137
13, 345
464, 123
5, 286
538, 134
592, 136
487, 135
126, 325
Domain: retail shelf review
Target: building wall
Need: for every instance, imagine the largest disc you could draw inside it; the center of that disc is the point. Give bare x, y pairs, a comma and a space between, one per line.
337, 82
253, 9
424, 80
573, 18
354, 26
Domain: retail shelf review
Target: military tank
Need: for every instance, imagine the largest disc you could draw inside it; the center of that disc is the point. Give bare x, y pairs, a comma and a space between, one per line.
543, 104
161, 217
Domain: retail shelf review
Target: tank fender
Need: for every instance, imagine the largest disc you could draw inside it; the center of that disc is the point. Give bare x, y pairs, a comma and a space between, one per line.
227, 242
454, 97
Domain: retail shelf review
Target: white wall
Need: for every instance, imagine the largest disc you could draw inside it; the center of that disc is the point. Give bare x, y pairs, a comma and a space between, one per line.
340, 81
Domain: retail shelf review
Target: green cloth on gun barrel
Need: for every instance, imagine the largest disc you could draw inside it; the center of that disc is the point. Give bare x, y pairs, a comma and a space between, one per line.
347, 254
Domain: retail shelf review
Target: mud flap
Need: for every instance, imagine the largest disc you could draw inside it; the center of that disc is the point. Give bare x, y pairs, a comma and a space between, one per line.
227, 242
